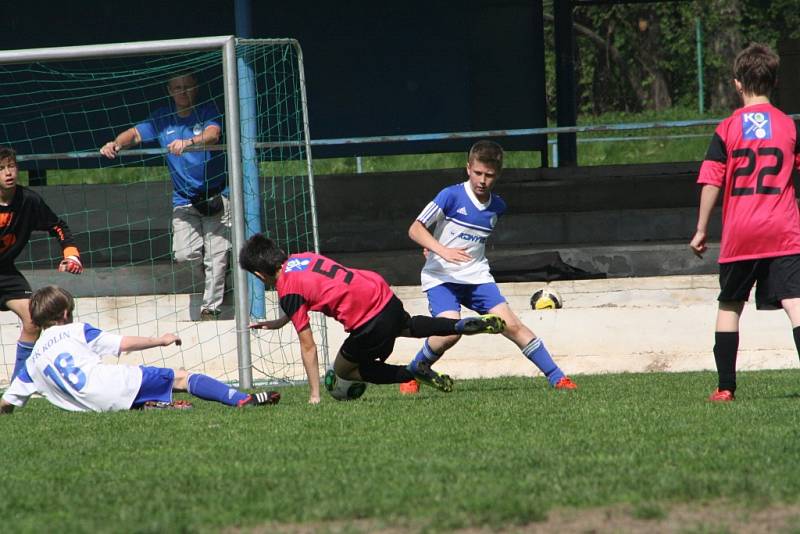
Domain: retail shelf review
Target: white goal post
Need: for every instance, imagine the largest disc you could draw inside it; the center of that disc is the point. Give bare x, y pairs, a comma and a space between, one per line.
276, 358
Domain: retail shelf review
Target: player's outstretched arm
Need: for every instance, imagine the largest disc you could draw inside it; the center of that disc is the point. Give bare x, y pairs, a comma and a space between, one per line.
131, 343
424, 238
308, 351
272, 324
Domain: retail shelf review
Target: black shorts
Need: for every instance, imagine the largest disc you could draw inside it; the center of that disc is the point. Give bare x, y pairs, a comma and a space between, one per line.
12, 286
374, 340
775, 279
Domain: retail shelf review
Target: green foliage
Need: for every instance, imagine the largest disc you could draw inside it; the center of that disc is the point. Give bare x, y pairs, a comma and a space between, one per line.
627, 53
494, 453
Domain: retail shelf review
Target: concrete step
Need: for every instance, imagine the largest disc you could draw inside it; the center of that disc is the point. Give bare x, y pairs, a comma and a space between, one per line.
616, 325
642, 324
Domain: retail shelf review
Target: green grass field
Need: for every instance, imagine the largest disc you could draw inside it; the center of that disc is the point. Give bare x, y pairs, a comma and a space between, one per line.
499, 453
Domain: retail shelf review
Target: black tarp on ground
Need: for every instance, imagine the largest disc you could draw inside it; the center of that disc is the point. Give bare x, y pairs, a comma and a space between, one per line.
538, 267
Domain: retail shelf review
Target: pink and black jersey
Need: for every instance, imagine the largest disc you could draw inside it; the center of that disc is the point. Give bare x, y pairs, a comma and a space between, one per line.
751, 157
311, 282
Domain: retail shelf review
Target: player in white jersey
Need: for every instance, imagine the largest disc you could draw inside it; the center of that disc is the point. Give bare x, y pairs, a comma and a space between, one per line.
453, 229
66, 367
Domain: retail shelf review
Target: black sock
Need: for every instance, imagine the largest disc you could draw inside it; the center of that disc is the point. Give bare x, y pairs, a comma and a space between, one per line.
796, 334
424, 326
383, 373
726, 345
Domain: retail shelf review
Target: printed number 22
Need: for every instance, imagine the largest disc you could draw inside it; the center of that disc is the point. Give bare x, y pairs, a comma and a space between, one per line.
65, 364
748, 169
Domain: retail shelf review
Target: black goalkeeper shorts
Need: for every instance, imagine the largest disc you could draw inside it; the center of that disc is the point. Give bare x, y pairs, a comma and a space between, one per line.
12, 286
374, 340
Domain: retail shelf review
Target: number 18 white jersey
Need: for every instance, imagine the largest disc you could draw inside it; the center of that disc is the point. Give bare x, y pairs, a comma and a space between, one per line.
66, 367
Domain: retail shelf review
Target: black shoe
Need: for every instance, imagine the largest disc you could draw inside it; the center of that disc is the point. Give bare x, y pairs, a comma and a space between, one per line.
209, 315
262, 398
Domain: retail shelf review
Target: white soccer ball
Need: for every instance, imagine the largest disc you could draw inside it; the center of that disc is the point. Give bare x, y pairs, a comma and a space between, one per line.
546, 298
341, 389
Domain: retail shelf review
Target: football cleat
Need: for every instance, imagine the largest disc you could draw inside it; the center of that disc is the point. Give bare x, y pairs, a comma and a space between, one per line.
722, 395
409, 388
262, 398
174, 405
422, 372
565, 383
209, 315
482, 324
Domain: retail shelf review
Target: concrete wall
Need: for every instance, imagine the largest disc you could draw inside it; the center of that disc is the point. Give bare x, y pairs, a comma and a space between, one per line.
673, 318
632, 220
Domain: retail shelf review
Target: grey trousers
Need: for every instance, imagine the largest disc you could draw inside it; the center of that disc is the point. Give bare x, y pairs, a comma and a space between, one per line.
198, 237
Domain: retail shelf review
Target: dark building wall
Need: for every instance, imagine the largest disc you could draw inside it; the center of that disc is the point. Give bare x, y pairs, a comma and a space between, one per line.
788, 97
372, 68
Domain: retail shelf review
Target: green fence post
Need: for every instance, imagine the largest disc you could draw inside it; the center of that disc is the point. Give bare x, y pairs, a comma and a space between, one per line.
698, 31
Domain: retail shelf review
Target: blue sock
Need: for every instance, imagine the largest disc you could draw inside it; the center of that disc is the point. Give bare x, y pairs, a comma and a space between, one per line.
208, 388
536, 352
24, 349
426, 355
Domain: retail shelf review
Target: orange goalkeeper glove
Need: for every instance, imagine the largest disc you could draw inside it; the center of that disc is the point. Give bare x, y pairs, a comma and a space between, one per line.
71, 264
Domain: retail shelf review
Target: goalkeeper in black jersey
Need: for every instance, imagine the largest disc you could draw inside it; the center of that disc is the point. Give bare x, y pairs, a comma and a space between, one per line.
21, 212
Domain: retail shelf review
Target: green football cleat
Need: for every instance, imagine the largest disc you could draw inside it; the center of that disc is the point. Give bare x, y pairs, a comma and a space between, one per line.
482, 324
422, 372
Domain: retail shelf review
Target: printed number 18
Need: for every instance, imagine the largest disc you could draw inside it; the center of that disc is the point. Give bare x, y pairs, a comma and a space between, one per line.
73, 375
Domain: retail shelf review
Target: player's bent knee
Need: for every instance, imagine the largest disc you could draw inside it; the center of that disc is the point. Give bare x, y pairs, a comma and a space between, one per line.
515, 330
346, 369
188, 255
181, 380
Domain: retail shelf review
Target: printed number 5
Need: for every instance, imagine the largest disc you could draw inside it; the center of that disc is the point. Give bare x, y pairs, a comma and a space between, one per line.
748, 169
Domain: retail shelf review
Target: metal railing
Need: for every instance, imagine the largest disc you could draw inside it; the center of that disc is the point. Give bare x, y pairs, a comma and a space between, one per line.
416, 138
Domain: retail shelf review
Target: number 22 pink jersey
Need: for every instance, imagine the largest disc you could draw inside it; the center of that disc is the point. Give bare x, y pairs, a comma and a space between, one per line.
751, 157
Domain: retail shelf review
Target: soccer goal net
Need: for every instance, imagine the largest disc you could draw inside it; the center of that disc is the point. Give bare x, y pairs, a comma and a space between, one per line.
60, 106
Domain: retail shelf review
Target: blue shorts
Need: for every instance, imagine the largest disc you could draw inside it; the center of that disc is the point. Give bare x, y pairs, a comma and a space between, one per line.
156, 385
479, 298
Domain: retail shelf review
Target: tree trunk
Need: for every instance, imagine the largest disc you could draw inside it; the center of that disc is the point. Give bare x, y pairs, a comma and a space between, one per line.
649, 56
631, 75
724, 43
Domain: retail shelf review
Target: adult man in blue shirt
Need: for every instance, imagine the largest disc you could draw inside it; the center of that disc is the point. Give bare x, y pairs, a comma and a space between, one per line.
200, 215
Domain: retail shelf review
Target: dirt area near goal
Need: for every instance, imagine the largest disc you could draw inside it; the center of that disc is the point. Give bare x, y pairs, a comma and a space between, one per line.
717, 517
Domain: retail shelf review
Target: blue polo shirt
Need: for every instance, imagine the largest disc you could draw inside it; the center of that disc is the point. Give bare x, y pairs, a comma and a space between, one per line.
194, 174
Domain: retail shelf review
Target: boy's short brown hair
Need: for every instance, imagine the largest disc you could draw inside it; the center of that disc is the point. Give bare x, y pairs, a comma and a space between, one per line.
488, 153
756, 68
48, 304
6, 152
